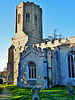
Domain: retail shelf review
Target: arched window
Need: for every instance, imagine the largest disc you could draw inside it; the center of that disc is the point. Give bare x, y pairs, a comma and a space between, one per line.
32, 70
19, 18
71, 64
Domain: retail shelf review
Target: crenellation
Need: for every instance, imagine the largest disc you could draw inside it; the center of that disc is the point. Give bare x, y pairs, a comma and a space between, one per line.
49, 43
32, 3
35, 49
64, 40
56, 42
72, 39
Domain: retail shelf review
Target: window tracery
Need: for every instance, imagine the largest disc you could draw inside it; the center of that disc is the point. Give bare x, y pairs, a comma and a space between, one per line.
32, 70
71, 64
27, 17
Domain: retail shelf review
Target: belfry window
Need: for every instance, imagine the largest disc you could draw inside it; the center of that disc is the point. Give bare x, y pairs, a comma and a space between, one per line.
71, 64
19, 18
32, 70
28, 17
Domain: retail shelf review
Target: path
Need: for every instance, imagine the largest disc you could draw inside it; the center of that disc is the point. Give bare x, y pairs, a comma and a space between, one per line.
5, 95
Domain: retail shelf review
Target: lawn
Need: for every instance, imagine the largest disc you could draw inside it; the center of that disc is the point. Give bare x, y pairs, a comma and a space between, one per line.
54, 93
1, 89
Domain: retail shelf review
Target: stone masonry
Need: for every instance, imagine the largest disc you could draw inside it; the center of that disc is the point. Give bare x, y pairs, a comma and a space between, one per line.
28, 46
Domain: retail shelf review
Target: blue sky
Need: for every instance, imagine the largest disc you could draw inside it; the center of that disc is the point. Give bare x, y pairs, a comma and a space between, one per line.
56, 14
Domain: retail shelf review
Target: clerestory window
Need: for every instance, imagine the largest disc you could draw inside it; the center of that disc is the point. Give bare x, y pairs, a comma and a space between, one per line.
32, 70
71, 64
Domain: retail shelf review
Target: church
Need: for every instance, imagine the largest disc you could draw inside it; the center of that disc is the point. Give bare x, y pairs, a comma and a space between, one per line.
32, 62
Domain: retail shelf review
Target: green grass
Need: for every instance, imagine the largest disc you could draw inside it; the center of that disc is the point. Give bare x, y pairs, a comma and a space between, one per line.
54, 93
19, 93
1, 89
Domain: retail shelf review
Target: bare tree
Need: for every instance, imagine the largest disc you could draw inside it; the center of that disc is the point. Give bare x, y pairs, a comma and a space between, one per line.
54, 37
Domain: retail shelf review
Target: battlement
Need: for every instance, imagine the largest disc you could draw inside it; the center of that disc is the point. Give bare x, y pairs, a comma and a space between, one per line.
40, 48
29, 3
57, 43
72, 39
34, 49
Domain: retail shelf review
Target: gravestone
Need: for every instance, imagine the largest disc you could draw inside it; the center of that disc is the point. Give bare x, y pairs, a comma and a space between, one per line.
35, 94
43, 86
70, 88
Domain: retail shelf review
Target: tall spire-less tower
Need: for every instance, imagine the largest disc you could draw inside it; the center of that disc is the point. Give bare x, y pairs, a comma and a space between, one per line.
28, 29
29, 20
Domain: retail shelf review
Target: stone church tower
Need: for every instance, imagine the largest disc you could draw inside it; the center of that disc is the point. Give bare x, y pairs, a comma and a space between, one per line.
32, 62
28, 29
29, 20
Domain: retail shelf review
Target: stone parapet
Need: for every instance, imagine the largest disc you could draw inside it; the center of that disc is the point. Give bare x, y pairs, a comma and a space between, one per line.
72, 39
57, 43
34, 49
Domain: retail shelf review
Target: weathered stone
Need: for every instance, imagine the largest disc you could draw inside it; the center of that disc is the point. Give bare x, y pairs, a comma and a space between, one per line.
70, 88
43, 86
35, 94
53, 71
31, 82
